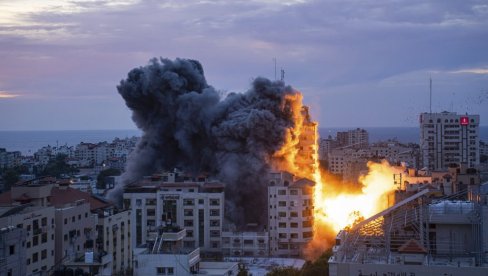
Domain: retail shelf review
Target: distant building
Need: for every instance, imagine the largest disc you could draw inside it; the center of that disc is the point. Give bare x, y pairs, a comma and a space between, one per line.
9, 159
356, 138
447, 138
290, 210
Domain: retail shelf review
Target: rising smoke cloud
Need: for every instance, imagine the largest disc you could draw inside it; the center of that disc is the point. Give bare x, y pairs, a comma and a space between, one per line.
187, 124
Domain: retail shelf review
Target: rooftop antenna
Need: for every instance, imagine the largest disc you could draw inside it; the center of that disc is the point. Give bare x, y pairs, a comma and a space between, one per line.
430, 90
274, 60
282, 75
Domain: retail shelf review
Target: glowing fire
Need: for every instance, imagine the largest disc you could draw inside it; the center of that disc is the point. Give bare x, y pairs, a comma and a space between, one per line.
339, 210
335, 207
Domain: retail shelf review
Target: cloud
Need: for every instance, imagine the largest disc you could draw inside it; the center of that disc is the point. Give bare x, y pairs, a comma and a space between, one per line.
480, 71
7, 95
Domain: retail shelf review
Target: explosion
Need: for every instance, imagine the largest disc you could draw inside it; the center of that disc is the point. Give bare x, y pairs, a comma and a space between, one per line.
336, 206
238, 139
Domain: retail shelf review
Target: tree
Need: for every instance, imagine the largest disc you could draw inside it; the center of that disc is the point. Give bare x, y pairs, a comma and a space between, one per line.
12, 176
284, 271
319, 266
243, 271
57, 166
102, 176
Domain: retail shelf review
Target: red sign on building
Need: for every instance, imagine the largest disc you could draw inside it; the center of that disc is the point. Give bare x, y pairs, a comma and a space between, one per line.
464, 121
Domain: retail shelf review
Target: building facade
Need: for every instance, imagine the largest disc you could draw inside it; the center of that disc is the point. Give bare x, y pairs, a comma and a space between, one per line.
290, 210
447, 138
12, 251
198, 207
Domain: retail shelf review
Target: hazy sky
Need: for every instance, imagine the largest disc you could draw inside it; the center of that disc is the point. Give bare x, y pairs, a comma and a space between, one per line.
358, 63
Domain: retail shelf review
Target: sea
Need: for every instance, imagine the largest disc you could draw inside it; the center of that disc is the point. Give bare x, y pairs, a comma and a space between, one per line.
28, 142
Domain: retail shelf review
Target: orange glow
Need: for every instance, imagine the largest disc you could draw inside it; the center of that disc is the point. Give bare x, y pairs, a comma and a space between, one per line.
343, 209
336, 205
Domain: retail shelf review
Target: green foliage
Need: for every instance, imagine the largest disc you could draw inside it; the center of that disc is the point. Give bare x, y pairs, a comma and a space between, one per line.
284, 271
12, 176
57, 166
243, 271
317, 267
483, 158
101, 184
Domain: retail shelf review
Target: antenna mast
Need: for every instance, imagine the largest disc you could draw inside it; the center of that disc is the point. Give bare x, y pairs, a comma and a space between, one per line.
430, 90
274, 60
282, 75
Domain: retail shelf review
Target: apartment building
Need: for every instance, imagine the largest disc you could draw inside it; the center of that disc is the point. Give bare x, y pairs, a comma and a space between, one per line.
290, 210
195, 205
245, 243
307, 145
12, 251
113, 237
355, 138
37, 223
447, 138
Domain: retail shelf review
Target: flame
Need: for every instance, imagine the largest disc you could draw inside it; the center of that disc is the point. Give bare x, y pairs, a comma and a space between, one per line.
335, 206
341, 210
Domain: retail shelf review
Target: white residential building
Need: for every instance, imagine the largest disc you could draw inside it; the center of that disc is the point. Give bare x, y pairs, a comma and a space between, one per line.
114, 238
38, 224
290, 210
447, 138
196, 206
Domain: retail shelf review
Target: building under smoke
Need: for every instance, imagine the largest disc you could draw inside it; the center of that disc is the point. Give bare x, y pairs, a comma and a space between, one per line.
187, 124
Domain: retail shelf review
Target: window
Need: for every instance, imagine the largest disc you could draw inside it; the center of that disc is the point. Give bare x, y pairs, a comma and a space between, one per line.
188, 223
294, 235
44, 238
281, 192
282, 203
215, 222
293, 192
282, 225
307, 223
65, 221
307, 235
35, 240
188, 202
189, 233
79, 217
214, 212
35, 257
151, 212
164, 271
12, 249
282, 235
72, 219
294, 225
281, 214
214, 202
43, 254
214, 233
293, 214
43, 221
188, 212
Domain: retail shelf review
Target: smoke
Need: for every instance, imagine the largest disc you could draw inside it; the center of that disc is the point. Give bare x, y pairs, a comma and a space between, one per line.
187, 124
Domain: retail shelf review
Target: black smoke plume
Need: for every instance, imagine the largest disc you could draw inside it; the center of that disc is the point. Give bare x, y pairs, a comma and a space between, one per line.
187, 124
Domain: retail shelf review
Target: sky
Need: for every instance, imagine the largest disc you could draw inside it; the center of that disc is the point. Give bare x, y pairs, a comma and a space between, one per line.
358, 63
